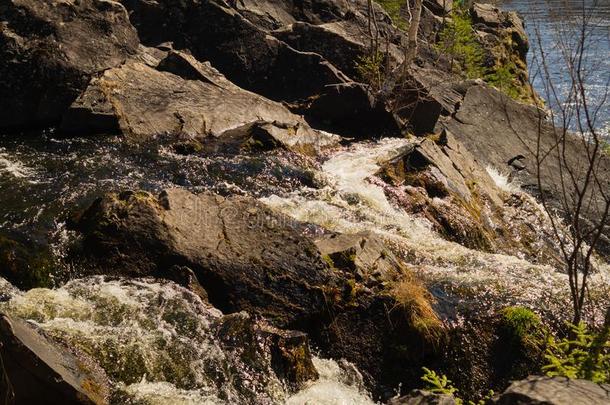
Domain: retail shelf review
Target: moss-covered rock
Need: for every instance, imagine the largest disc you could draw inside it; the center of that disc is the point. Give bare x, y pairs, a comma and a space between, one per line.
26, 266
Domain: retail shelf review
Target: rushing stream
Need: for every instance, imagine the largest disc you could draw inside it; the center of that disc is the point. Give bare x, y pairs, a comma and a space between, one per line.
158, 342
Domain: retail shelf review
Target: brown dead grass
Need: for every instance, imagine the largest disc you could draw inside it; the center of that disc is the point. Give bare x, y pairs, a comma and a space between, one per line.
415, 302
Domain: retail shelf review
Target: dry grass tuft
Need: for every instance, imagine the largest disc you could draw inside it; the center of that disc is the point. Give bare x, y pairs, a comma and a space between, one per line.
415, 302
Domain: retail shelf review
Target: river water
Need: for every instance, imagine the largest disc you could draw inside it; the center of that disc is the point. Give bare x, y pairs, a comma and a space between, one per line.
44, 178
552, 23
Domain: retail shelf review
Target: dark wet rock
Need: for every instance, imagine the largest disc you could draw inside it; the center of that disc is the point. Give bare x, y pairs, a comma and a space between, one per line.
245, 53
43, 371
246, 256
187, 278
421, 397
261, 346
50, 49
554, 391
351, 110
25, 265
183, 99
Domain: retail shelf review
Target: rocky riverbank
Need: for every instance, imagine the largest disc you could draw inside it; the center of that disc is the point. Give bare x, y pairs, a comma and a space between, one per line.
208, 192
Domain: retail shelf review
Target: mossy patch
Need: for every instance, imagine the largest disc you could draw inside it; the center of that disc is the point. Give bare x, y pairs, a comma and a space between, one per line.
26, 267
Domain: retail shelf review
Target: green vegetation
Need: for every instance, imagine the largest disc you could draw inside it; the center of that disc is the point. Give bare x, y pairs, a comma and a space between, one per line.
440, 384
504, 79
393, 8
436, 383
523, 325
583, 354
458, 41
370, 69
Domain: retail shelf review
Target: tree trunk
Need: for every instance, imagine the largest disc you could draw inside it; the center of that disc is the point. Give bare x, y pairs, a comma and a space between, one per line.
411, 50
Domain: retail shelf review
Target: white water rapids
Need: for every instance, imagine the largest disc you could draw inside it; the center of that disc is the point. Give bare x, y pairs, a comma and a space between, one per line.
157, 341
353, 200
158, 344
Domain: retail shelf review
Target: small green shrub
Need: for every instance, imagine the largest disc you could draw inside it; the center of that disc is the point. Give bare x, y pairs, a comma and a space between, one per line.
437, 383
503, 78
370, 69
583, 355
457, 39
440, 384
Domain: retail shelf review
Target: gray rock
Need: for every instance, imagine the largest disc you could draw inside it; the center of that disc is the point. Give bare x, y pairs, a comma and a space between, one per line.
245, 53
184, 99
245, 256
421, 397
50, 49
496, 129
363, 256
41, 371
538, 390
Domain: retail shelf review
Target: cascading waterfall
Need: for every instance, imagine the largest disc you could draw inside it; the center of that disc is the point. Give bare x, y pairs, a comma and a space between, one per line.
352, 200
158, 344
157, 341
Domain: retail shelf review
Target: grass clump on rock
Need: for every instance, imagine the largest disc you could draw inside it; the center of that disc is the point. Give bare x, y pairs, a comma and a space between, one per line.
414, 300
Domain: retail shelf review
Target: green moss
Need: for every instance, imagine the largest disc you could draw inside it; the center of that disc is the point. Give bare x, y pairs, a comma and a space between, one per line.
329, 261
522, 324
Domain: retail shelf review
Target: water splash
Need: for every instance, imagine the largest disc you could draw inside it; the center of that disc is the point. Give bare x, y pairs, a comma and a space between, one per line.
14, 167
159, 343
351, 199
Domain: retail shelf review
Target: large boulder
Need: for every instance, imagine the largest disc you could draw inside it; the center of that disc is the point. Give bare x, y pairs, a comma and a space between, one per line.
554, 391
50, 49
42, 371
504, 134
245, 256
183, 98
249, 258
248, 55
441, 182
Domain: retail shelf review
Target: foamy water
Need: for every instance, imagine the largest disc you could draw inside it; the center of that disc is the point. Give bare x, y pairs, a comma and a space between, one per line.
159, 344
354, 200
10, 166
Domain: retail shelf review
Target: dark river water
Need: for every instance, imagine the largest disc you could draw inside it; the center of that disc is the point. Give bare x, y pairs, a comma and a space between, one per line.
551, 23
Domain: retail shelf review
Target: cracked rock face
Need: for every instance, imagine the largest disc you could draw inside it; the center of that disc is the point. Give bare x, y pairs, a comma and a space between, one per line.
50, 49
246, 256
185, 99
